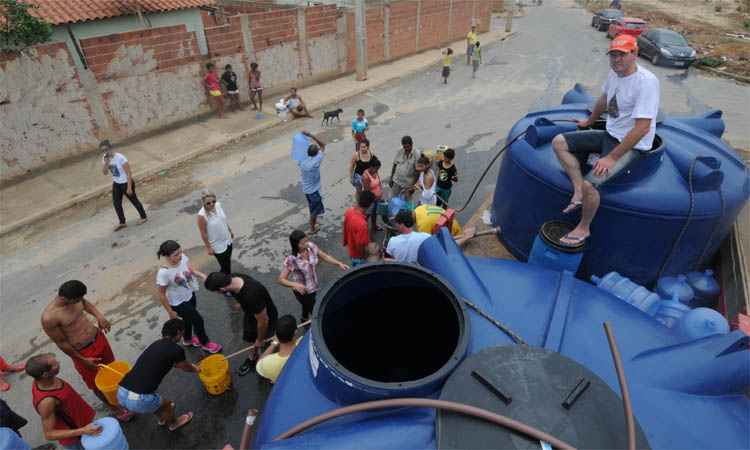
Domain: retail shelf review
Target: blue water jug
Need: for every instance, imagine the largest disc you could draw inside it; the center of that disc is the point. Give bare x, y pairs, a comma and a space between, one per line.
702, 322
671, 311
669, 287
111, 437
548, 252
706, 288
625, 289
9, 440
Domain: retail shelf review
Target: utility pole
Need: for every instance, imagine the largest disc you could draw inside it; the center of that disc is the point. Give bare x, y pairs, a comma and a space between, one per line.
360, 32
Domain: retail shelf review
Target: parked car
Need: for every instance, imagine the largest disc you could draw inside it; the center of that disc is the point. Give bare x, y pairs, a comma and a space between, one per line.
667, 47
626, 25
603, 18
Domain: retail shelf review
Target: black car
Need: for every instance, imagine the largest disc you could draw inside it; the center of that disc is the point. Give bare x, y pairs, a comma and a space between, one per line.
667, 47
605, 17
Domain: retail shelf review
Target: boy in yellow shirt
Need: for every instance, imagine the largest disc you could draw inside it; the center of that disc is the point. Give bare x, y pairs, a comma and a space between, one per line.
471, 39
447, 61
276, 355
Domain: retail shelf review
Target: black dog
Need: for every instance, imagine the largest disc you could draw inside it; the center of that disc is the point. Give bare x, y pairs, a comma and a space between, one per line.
330, 115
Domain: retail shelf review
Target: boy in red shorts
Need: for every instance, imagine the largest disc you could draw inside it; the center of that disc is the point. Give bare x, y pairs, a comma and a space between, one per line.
66, 324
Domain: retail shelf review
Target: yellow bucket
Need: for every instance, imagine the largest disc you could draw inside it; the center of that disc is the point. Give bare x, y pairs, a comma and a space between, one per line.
214, 374
108, 379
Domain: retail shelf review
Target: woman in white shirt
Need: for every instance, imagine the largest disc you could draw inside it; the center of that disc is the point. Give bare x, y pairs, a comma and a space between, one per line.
216, 233
177, 283
426, 182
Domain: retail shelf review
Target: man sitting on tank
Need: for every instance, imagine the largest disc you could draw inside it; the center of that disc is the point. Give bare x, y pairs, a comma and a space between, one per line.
630, 96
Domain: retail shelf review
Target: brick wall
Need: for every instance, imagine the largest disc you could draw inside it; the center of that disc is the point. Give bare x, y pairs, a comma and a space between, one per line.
225, 39
273, 27
138, 52
320, 21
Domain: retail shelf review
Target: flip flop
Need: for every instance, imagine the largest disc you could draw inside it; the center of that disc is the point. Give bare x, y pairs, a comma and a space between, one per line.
573, 241
4, 387
572, 207
181, 421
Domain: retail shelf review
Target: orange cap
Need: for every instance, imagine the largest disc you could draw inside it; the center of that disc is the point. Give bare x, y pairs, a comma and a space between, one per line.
623, 43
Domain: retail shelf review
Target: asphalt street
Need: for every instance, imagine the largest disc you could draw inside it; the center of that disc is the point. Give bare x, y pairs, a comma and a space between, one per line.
258, 185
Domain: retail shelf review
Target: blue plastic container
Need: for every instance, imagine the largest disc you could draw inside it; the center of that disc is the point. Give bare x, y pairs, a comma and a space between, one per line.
702, 322
670, 312
548, 252
691, 184
706, 289
9, 440
633, 293
675, 288
111, 437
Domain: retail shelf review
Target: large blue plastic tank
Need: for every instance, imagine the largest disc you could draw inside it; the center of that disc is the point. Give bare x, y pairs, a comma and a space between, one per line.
667, 375
665, 215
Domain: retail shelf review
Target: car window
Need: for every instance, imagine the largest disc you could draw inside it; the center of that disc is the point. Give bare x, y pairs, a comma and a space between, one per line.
673, 39
633, 25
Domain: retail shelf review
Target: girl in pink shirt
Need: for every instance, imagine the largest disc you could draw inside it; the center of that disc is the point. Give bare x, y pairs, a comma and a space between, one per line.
371, 180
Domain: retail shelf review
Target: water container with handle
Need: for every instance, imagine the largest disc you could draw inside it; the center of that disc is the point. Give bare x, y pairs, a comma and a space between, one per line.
671, 287
670, 312
706, 288
625, 289
702, 322
111, 437
108, 379
547, 251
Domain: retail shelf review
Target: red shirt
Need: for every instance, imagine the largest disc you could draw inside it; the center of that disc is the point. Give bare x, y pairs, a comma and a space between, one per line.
212, 81
356, 235
72, 411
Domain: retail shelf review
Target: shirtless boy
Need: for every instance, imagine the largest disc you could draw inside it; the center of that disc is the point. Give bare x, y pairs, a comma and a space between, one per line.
65, 322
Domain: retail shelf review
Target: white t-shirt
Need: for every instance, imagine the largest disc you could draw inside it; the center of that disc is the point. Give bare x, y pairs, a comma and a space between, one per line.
115, 166
628, 98
405, 247
180, 281
217, 228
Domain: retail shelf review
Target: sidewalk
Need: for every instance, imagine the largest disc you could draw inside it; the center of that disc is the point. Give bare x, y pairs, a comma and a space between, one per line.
59, 188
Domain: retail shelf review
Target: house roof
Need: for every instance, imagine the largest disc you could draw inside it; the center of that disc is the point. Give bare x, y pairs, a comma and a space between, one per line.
59, 12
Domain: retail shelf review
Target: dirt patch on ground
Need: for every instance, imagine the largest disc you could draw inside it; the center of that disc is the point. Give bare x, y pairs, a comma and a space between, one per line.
721, 38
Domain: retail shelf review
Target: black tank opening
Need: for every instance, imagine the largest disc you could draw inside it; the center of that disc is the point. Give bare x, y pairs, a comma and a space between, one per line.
391, 326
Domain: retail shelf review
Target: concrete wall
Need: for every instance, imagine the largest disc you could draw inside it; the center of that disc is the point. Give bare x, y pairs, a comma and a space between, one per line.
137, 80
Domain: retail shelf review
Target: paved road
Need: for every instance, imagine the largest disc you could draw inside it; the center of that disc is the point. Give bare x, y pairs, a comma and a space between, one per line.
258, 185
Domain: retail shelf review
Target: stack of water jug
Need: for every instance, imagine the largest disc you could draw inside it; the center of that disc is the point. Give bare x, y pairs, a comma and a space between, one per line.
682, 303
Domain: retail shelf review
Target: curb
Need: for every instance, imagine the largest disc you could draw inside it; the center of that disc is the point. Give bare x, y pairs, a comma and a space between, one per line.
724, 74
150, 172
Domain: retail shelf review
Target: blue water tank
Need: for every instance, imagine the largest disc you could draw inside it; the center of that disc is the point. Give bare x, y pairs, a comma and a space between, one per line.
706, 289
675, 288
671, 311
633, 293
664, 215
702, 322
111, 437
548, 252
546, 308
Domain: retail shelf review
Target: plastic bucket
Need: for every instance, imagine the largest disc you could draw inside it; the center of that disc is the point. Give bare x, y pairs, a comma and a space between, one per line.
107, 380
110, 438
214, 374
548, 252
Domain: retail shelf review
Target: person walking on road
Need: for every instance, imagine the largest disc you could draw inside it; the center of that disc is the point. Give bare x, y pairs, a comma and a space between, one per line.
177, 284
476, 59
310, 173
137, 390
300, 270
261, 314
471, 40
123, 184
631, 98
66, 323
256, 88
404, 173
447, 62
65, 414
359, 127
215, 231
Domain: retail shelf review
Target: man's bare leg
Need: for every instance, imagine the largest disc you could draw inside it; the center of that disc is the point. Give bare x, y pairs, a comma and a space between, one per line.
572, 168
582, 231
314, 224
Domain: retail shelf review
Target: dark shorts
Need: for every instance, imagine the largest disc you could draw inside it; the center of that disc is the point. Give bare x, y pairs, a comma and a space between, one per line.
583, 143
315, 203
446, 71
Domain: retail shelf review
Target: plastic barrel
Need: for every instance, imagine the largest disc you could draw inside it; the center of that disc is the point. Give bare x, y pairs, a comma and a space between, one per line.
625, 289
214, 374
107, 380
111, 437
548, 252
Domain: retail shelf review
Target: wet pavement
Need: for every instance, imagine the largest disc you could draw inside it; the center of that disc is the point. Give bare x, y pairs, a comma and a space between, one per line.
259, 187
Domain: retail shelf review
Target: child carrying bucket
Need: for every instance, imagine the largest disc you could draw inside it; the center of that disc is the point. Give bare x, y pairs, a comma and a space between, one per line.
137, 391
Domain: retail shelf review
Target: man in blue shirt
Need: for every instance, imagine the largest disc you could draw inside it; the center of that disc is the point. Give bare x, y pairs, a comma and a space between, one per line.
310, 171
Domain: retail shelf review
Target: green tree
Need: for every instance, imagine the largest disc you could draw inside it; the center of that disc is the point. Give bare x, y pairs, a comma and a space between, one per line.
18, 28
